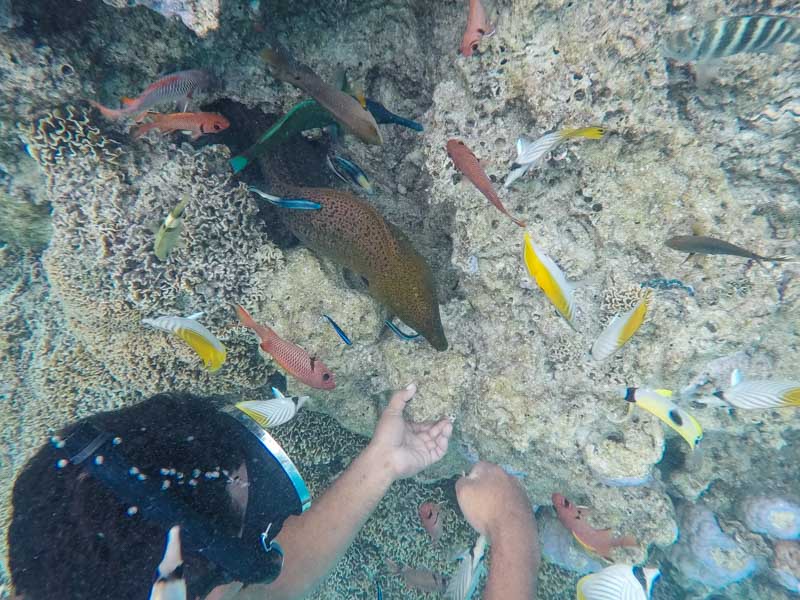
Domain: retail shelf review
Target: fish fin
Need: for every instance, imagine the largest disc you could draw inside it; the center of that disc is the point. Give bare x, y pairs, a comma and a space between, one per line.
585, 545
664, 393
195, 316
112, 114
780, 258
736, 377
195, 135
277, 393
238, 163
591, 133
579, 589
127, 102
245, 318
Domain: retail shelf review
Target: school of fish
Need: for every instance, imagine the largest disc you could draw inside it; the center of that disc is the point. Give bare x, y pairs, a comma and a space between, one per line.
340, 226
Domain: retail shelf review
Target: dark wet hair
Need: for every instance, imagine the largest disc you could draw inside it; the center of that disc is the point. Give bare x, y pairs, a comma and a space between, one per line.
71, 537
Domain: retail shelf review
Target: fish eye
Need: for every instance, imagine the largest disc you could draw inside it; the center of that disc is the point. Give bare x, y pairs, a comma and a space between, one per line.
566, 503
482, 31
326, 376
216, 126
475, 47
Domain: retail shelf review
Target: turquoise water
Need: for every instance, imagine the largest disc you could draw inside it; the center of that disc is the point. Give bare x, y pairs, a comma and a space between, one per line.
692, 145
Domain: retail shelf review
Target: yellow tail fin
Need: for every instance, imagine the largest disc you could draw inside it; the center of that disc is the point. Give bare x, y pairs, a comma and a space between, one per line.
591, 133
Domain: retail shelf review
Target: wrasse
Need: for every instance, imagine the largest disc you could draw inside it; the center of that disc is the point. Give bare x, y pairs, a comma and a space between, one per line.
339, 331
289, 203
170, 583
349, 172
701, 244
192, 124
618, 582
423, 580
463, 584
599, 541
550, 279
660, 404
621, 329
732, 35
347, 110
407, 337
169, 233
531, 152
292, 358
386, 117
466, 162
761, 394
478, 27
430, 516
201, 340
176, 88
278, 410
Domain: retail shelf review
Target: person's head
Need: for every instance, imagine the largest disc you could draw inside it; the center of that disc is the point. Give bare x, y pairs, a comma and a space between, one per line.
91, 509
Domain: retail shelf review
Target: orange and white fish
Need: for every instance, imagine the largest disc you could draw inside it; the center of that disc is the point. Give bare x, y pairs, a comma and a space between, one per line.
599, 541
176, 87
193, 124
466, 162
296, 361
430, 514
477, 27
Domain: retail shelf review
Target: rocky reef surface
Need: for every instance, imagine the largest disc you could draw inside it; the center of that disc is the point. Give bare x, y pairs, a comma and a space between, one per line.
686, 147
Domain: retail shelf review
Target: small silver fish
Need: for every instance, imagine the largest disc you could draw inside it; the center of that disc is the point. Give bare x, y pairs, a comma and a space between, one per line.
731, 35
169, 233
169, 583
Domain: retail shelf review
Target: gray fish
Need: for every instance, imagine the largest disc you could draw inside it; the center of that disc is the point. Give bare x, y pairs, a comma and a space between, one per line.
731, 35
701, 244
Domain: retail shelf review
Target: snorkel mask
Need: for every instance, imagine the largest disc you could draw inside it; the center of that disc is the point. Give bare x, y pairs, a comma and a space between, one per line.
275, 491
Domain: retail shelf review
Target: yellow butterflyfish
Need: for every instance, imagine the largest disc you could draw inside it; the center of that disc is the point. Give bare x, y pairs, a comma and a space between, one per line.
201, 340
550, 279
660, 404
621, 329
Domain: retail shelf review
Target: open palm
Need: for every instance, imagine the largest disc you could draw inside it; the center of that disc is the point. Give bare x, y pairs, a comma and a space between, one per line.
409, 447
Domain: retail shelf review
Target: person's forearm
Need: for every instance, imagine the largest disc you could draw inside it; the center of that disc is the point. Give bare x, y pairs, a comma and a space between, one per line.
314, 541
515, 563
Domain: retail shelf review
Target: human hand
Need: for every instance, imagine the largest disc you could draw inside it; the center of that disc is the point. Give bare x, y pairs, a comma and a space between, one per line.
407, 448
492, 500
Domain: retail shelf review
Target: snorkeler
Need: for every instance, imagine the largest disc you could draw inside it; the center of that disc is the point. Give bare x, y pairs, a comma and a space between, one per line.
93, 508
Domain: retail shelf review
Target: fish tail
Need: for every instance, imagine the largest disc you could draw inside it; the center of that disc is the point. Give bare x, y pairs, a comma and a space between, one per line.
239, 163
112, 114
778, 258
591, 133
245, 318
408, 123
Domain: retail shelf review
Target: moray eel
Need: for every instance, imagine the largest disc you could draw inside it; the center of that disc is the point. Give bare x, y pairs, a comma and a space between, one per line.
352, 233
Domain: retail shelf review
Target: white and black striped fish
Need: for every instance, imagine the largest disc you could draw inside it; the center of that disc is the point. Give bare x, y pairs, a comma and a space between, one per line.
169, 583
618, 582
732, 35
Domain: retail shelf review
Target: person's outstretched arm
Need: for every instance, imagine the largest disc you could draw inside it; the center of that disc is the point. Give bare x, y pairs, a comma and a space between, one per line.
314, 541
496, 506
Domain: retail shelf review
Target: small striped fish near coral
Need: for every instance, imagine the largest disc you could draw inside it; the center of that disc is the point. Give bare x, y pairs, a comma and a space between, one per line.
660, 404
531, 152
278, 410
731, 35
618, 582
550, 279
201, 340
621, 329
760, 393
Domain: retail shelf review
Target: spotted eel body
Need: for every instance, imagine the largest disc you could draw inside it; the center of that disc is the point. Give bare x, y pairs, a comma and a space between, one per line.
352, 233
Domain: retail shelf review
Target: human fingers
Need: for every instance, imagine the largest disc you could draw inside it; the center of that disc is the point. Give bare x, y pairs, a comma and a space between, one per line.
397, 402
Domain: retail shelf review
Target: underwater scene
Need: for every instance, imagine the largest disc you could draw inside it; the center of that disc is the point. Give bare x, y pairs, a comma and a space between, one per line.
568, 231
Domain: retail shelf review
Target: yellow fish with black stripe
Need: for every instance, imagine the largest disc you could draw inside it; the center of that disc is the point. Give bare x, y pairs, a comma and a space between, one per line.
660, 404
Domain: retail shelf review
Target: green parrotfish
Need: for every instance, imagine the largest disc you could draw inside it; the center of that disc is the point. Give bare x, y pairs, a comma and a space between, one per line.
352, 233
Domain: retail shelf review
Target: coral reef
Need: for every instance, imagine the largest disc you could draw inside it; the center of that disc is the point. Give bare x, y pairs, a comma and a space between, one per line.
776, 517
201, 16
785, 566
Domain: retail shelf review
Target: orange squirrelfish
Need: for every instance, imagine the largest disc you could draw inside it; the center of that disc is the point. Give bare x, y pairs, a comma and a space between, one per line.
477, 28
195, 124
296, 361
176, 87
430, 514
599, 541
466, 162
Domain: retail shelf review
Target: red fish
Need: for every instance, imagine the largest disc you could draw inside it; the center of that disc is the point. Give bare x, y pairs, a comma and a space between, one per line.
195, 124
599, 541
423, 580
466, 162
477, 28
296, 361
177, 87
430, 515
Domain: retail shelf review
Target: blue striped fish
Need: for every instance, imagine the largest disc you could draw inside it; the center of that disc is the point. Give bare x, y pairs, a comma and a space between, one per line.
732, 35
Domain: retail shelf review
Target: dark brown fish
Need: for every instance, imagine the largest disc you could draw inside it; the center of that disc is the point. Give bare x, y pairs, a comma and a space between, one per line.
346, 109
701, 244
355, 235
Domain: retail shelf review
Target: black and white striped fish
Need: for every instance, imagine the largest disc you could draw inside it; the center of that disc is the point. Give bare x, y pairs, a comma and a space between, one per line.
732, 35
